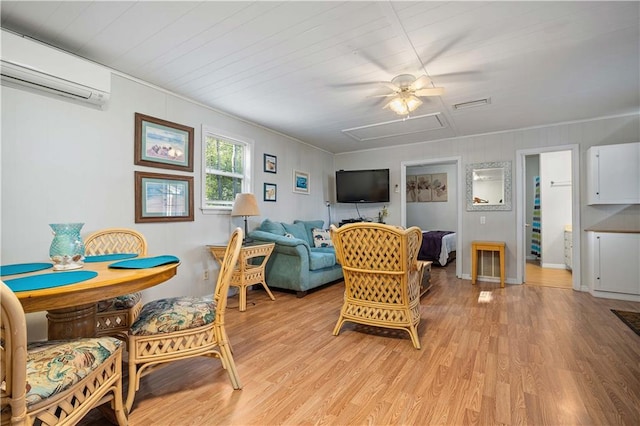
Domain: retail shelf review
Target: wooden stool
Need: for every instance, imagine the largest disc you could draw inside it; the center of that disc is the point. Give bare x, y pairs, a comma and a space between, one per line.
486, 246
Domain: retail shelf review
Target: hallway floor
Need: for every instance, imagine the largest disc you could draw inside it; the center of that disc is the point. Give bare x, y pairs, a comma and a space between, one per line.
546, 277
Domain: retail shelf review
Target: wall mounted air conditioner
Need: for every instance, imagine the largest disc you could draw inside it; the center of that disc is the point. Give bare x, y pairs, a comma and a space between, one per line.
35, 66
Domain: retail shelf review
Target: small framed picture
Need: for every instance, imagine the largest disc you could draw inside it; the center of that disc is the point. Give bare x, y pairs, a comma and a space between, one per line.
163, 198
161, 143
270, 163
300, 182
270, 192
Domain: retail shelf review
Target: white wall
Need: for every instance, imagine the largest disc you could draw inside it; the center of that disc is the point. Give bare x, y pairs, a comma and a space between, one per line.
435, 216
555, 204
501, 225
63, 162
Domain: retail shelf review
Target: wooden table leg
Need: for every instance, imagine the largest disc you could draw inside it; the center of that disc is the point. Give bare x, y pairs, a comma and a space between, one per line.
502, 271
72, 323
266, 288
243, 298
474, 264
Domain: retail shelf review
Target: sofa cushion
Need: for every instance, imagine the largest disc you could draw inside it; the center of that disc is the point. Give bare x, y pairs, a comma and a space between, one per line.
322, 238
319, 259
273, 227
309, 226
297, 230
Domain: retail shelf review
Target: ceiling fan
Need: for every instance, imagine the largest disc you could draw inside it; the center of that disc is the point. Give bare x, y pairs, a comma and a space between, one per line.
407, 91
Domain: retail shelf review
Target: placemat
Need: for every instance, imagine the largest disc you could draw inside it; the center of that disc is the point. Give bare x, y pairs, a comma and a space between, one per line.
23, 268
112, 256
144, 263
55, 279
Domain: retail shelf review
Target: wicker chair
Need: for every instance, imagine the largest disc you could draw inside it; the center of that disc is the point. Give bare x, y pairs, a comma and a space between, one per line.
114, 316
55, 382
381, 274
178, 328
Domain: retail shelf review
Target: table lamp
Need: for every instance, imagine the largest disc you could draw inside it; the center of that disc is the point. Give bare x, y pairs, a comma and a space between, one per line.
245, 205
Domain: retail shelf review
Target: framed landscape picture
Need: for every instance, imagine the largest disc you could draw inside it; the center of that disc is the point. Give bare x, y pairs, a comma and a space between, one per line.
163, 198
161, 143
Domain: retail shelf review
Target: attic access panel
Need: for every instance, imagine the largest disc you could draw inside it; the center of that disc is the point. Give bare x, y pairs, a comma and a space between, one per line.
401, 127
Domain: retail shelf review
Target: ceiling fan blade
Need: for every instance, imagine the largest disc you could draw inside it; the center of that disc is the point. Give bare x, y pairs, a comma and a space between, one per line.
435, 91
420, 82
442, 50
359, 84
391, 86
382, 96
470, 73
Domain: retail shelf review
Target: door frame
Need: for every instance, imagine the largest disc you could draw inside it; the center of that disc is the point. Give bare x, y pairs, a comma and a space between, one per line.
521, 248
459, 199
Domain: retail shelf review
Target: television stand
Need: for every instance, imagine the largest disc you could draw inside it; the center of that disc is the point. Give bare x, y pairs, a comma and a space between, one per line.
353, 220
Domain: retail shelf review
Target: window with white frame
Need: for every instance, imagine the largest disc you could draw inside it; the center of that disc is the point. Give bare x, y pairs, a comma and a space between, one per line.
226, 169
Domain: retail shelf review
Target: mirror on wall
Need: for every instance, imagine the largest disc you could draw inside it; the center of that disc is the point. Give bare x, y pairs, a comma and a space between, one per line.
489, 186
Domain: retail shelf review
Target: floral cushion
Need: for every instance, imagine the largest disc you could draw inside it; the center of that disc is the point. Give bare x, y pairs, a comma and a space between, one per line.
127, 301
54, 366
174, 314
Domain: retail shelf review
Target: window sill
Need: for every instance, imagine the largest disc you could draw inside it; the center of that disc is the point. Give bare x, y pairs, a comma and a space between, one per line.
222, 211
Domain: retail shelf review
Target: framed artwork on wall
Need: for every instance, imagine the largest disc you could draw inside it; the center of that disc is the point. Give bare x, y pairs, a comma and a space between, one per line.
270, 192
163, 198
426, 188
270, 163
161, 143
301, 182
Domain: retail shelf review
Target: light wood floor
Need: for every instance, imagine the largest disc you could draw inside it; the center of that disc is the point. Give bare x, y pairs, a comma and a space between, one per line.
534, 355
547, 277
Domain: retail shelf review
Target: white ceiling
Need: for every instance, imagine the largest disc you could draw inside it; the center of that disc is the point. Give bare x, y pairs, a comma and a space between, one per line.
308, 69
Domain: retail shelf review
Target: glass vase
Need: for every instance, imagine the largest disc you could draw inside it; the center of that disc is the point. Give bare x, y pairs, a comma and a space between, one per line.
67, 248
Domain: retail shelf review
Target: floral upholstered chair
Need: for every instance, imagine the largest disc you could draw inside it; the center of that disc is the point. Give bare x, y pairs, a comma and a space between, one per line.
178, 328
382, 276
114, 316
54, 382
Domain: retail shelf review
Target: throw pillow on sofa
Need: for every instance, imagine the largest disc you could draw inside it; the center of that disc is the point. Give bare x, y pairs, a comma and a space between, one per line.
321, 238
310, 225
297, 230
272, 227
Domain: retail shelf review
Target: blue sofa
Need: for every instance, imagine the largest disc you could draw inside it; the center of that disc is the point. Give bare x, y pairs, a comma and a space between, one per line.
296, 264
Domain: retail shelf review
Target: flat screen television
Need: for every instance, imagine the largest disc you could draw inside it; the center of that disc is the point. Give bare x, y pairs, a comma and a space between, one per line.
362, 186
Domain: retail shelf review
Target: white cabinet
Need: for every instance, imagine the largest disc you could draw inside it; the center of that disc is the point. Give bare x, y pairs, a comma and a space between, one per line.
613, 174
615, 262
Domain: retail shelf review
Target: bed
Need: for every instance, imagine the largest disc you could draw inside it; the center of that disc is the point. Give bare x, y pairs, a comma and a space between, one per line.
438, 247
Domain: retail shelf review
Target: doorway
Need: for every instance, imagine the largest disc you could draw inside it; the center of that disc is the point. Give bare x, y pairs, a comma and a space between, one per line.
457, 200
547, 194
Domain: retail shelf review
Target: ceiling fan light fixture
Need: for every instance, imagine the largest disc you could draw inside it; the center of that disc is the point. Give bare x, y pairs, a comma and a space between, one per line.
404, 104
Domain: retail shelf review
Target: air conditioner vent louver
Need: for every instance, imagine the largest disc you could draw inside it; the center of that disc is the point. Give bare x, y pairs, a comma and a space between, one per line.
37, 67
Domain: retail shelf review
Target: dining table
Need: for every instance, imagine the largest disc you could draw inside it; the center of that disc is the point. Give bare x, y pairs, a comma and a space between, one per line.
71, 308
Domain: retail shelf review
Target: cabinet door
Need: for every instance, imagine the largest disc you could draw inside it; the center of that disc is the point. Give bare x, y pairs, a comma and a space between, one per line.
614, 174
616, 262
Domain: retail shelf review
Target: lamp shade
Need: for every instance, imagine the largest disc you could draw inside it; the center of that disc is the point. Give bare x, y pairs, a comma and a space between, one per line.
245, 204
